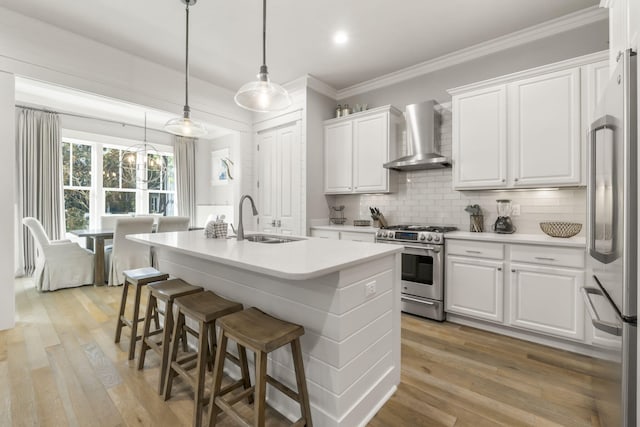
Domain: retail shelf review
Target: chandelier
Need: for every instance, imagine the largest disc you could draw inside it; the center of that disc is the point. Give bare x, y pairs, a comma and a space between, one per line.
145, 162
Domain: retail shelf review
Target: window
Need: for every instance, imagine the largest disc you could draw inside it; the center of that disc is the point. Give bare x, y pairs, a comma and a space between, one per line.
161, 184
76, 173
121, 168
119, 181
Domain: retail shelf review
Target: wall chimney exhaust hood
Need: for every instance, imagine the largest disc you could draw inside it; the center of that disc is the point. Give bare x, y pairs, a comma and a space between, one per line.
423, 139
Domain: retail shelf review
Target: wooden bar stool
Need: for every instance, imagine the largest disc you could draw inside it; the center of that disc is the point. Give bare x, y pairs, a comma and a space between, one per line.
166, 292
205, 308
262, 334
138, 278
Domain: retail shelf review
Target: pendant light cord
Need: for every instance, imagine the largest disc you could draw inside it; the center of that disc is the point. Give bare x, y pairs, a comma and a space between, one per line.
264, 33
186, 65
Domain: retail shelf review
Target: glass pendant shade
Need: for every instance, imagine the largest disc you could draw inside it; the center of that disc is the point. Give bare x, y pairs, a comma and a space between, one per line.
262, 95
184, 126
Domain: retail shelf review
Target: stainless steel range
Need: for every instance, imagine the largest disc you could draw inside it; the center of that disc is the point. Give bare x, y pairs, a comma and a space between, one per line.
422, 267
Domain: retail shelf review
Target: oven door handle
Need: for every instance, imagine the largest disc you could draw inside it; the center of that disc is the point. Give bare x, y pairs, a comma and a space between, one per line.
420, 250
421, 301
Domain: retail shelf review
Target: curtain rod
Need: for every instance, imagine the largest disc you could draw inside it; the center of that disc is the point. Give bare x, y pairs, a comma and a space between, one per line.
81, 116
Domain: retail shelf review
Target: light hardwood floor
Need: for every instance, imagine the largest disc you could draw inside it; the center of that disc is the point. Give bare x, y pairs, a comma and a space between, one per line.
59, 366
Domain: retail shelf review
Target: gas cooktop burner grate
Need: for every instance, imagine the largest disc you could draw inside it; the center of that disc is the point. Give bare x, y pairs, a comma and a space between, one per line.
430, 228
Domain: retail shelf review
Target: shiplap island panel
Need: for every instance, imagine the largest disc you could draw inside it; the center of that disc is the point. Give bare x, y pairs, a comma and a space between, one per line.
351, 344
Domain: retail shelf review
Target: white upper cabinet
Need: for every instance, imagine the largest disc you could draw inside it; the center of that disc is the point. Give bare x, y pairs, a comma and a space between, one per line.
338, 157
480, 138
527, 129
356, 147
544, 129
370, 151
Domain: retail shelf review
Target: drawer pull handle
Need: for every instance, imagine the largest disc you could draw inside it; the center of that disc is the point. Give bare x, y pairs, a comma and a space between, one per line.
545, 258
473, 252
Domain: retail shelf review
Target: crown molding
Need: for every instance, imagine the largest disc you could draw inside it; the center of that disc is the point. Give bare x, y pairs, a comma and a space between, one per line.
527, 35
321, 87
531, 72
311, 82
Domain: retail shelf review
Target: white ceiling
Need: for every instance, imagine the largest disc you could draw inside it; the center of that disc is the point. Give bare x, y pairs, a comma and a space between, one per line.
385, 35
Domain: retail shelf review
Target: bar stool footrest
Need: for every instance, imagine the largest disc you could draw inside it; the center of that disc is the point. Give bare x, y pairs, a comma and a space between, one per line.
232, 413
234, 386
283, 388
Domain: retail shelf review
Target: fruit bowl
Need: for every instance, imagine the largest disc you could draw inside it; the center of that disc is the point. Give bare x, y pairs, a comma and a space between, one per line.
560, 229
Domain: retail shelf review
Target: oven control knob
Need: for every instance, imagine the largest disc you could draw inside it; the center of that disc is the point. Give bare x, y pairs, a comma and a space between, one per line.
390, 235
384, 234
429, 237
422, 237
436, 239
379, 233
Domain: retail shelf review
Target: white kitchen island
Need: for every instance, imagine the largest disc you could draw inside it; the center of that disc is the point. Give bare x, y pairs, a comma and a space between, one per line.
345, 294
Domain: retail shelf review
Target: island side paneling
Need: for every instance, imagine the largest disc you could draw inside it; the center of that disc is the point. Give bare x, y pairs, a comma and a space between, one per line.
351, 344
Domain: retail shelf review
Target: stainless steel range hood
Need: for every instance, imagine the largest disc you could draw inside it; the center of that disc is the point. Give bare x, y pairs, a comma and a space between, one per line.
423, 139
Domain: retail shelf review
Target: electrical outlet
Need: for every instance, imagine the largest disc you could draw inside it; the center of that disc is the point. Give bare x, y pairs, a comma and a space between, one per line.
515, 210
369, 289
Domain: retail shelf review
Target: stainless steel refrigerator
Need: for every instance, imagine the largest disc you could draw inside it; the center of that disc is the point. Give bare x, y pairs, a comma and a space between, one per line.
611, 290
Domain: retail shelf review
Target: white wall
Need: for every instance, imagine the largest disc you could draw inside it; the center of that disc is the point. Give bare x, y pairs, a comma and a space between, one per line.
8, 219
40, 51
318, 109
581, 41
207, 194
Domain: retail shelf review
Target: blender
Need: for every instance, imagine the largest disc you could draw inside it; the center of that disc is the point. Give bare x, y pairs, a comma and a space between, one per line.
503, 224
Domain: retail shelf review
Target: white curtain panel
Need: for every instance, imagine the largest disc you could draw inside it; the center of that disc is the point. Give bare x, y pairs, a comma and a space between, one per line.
184, 154
39, 147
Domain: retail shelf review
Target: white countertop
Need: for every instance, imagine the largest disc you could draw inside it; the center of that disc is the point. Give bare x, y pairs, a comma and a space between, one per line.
533, 239
350, 228
299, 260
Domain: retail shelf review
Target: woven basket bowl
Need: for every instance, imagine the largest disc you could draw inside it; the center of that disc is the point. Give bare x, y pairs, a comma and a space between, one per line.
561, 229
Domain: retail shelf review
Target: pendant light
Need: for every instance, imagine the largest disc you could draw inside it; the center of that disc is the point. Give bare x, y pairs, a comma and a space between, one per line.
145, 163
184, 126
263, 95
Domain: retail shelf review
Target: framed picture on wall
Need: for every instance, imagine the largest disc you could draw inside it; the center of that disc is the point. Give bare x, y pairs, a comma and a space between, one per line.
221, 167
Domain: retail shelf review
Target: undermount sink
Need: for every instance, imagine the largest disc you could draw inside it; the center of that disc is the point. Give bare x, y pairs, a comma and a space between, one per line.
265, 238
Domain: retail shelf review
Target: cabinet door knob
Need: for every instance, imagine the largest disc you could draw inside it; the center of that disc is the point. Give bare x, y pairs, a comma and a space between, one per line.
513, 270
499, 268
515, 179
504, 180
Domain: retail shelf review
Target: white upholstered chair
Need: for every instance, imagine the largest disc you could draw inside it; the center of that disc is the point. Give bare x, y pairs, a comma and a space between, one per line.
173, 223
59, 263
127, 254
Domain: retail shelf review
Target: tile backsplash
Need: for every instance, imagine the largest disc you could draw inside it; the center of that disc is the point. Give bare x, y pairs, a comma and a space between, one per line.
427, 197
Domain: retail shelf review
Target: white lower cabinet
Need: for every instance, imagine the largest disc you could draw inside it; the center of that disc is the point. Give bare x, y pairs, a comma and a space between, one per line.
354, 236
325, 234
541, 293
474, 287
547, 299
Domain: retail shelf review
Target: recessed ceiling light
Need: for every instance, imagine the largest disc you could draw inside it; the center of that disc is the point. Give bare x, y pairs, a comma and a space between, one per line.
340, 37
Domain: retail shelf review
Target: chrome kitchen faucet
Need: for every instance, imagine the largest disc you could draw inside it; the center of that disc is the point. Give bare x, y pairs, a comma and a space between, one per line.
240, 233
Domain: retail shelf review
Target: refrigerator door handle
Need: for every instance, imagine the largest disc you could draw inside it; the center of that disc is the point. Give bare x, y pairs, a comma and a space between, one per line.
604, 326
604, 123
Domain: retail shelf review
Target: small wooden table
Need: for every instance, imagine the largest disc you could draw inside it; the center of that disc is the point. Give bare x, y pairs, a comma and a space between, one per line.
95, 242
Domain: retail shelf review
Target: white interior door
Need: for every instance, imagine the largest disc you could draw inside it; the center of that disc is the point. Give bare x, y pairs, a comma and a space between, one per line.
267, 180
288, 186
